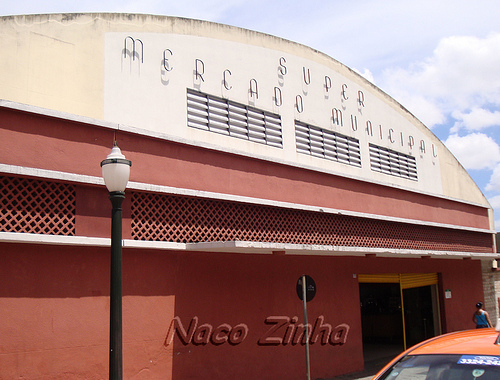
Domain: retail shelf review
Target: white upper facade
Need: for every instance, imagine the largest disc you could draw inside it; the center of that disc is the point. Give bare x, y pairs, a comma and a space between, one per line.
226, 88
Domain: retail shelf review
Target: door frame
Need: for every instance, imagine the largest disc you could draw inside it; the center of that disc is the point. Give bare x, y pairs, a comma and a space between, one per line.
408, 281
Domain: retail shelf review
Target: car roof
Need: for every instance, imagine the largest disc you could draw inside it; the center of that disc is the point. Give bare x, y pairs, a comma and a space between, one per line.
473, 342
469, 342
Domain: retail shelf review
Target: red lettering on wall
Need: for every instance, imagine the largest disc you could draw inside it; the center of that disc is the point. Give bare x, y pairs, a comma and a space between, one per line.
176, 327
278, 322
283, 331
205, 333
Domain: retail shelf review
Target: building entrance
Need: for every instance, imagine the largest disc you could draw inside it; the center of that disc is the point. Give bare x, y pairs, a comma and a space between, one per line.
397, 311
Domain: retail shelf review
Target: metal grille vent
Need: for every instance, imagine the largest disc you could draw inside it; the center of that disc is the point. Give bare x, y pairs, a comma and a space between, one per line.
394, 163
327, 144
159, 217
37, 207
226, 117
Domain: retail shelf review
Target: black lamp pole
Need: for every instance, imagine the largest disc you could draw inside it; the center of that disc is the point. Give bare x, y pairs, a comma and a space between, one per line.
116, 171
115, 322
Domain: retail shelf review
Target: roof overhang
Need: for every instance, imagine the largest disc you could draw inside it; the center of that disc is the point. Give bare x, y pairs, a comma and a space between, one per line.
243, 247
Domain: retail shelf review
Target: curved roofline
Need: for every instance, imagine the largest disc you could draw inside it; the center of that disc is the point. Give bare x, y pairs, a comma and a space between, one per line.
70, 16
198, 27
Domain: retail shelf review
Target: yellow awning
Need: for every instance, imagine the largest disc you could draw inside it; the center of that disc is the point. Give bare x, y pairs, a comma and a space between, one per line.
407, 280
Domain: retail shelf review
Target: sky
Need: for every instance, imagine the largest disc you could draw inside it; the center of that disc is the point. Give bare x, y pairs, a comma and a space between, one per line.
439, 58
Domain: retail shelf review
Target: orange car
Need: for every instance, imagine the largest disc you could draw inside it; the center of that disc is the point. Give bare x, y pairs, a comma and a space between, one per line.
471, 354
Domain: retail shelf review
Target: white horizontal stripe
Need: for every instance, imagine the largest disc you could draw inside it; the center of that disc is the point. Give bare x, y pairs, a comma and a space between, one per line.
239, 247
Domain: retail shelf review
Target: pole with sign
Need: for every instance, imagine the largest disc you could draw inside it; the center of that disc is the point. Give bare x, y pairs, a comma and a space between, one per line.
306, 290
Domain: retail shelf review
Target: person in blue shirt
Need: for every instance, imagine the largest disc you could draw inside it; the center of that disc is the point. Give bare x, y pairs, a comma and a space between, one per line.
481, 317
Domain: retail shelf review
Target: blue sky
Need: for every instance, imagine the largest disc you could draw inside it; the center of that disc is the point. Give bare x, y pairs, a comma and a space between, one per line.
439, 58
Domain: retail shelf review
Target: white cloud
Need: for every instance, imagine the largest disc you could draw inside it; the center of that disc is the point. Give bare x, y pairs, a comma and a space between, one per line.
495, 201
462, 75
465, 70
476, 119
365, 34
494, 184
367, 74
421, 106
475, 151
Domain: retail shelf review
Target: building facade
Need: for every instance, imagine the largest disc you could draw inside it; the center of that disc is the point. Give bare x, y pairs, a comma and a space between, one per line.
255, 161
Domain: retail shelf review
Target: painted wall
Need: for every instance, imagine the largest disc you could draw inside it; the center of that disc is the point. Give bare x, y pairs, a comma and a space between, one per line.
54, 307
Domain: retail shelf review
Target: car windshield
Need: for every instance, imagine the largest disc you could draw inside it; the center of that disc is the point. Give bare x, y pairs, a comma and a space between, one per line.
445, 367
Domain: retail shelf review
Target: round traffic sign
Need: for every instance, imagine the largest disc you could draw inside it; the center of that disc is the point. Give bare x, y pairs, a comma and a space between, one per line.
310, 288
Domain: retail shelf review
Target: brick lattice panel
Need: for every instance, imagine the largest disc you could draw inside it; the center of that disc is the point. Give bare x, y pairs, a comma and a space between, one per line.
38, 207
158, 217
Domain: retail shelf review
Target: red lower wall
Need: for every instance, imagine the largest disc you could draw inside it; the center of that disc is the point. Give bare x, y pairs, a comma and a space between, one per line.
54, 143
54, 308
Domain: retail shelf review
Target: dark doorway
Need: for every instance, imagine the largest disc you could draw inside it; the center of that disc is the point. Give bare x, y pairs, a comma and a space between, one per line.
382, 322
419, 314
381, 313
389, 324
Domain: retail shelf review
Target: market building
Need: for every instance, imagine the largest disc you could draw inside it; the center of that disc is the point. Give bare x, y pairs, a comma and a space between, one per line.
255, 161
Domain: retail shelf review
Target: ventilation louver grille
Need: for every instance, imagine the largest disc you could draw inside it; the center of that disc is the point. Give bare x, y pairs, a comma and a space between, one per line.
226, 117
159, 217
37, 207
327, 144
43, 207
394, 163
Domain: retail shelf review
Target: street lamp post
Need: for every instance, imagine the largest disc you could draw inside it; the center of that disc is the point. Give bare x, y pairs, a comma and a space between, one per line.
116, 171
